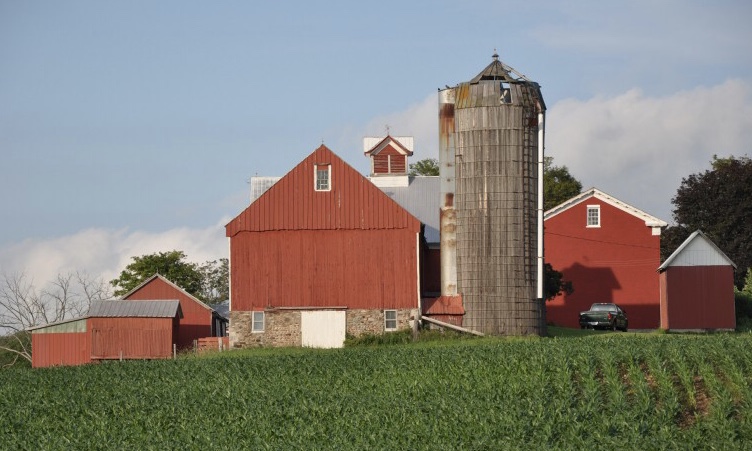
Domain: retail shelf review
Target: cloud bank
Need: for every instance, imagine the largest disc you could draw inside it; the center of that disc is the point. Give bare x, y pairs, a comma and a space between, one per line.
639, 148
105, 253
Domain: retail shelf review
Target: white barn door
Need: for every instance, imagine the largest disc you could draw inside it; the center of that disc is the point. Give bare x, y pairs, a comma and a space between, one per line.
323, 328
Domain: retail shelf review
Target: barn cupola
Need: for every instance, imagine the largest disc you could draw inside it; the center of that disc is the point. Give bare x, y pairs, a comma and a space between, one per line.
388, 159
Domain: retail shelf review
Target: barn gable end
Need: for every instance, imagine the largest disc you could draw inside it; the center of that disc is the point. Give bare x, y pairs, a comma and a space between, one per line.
609, 250
697, 287
198, 320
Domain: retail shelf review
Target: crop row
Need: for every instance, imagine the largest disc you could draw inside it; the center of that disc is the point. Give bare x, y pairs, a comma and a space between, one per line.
621, 390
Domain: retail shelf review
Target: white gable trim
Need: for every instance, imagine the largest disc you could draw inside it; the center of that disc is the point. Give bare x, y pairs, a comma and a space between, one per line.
678, 257
403, 144
650, 221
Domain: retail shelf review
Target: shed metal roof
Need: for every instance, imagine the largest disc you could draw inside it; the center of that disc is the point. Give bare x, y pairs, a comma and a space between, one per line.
140, 309
421, 198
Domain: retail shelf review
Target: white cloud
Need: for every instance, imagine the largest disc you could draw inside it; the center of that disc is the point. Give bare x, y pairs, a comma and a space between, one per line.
639, 148
106, 252
419, 120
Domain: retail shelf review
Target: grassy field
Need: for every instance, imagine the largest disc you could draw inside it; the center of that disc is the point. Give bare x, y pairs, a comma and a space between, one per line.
602, 391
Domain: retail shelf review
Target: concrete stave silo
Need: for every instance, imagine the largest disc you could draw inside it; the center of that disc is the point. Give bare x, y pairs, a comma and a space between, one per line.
491, 158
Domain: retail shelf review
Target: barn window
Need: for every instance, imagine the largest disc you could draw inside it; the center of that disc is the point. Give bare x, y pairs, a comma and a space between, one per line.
593, 215
323, 174
390, 319
258, 322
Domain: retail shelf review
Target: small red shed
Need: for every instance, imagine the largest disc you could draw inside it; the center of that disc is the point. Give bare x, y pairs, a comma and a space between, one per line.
198, 321
609, 250
111, 330
697, 287
322, 253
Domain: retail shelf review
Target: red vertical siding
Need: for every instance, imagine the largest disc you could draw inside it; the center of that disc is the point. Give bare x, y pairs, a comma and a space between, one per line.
197, 317
699, 297
352, 203
351, 246
616, 262
135, 338
68, 348
353, 268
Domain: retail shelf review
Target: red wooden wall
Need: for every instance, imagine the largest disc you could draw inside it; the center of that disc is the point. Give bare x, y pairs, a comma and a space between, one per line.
372, 269
65, 348
136, 338
197, 317
616, 262
351, 246
698, 297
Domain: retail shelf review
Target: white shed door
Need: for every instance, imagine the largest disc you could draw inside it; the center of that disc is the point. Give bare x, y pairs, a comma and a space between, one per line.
323, 328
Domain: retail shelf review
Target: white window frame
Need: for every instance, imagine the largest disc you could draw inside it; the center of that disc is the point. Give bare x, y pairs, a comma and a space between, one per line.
596, 216
387, 320
322, 167
254, 322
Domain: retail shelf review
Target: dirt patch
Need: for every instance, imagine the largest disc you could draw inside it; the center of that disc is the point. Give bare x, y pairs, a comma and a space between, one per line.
690, 413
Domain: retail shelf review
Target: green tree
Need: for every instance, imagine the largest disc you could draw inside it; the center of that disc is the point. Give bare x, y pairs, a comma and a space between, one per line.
558, 184
718, 202
215, 281
554, 283
172, 265
427, 166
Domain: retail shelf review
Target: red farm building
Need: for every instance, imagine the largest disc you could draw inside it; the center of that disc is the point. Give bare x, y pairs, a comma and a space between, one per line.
322, 253
198, 320
609, 250
112, 330
697, 287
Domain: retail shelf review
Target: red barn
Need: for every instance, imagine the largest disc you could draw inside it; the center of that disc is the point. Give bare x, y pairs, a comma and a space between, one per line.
198, 321
111, 330
321, 253
609, 250
697, 287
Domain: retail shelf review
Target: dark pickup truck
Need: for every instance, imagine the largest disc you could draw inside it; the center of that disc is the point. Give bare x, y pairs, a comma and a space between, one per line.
604, 316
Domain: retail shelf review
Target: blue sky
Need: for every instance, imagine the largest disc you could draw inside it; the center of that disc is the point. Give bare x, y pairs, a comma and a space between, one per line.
132, 127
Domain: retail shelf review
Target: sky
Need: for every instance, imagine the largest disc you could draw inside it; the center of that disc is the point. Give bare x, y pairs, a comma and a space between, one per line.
133, 127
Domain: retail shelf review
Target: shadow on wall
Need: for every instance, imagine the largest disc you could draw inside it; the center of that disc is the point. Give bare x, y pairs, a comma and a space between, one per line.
591, 284
599, 284
641, 316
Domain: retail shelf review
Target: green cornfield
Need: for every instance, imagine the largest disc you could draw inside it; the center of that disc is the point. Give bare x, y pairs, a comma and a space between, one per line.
606, 391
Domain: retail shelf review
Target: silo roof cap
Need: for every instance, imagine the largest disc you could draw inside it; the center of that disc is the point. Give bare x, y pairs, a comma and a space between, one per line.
497, 70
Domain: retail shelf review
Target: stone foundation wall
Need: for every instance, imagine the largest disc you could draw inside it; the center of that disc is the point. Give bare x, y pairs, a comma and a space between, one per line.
360, 322
282, 327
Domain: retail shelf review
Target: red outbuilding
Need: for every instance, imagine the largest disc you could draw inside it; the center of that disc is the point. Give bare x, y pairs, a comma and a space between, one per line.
322, 253
198, 321
609, 251
111, 330
697, 287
